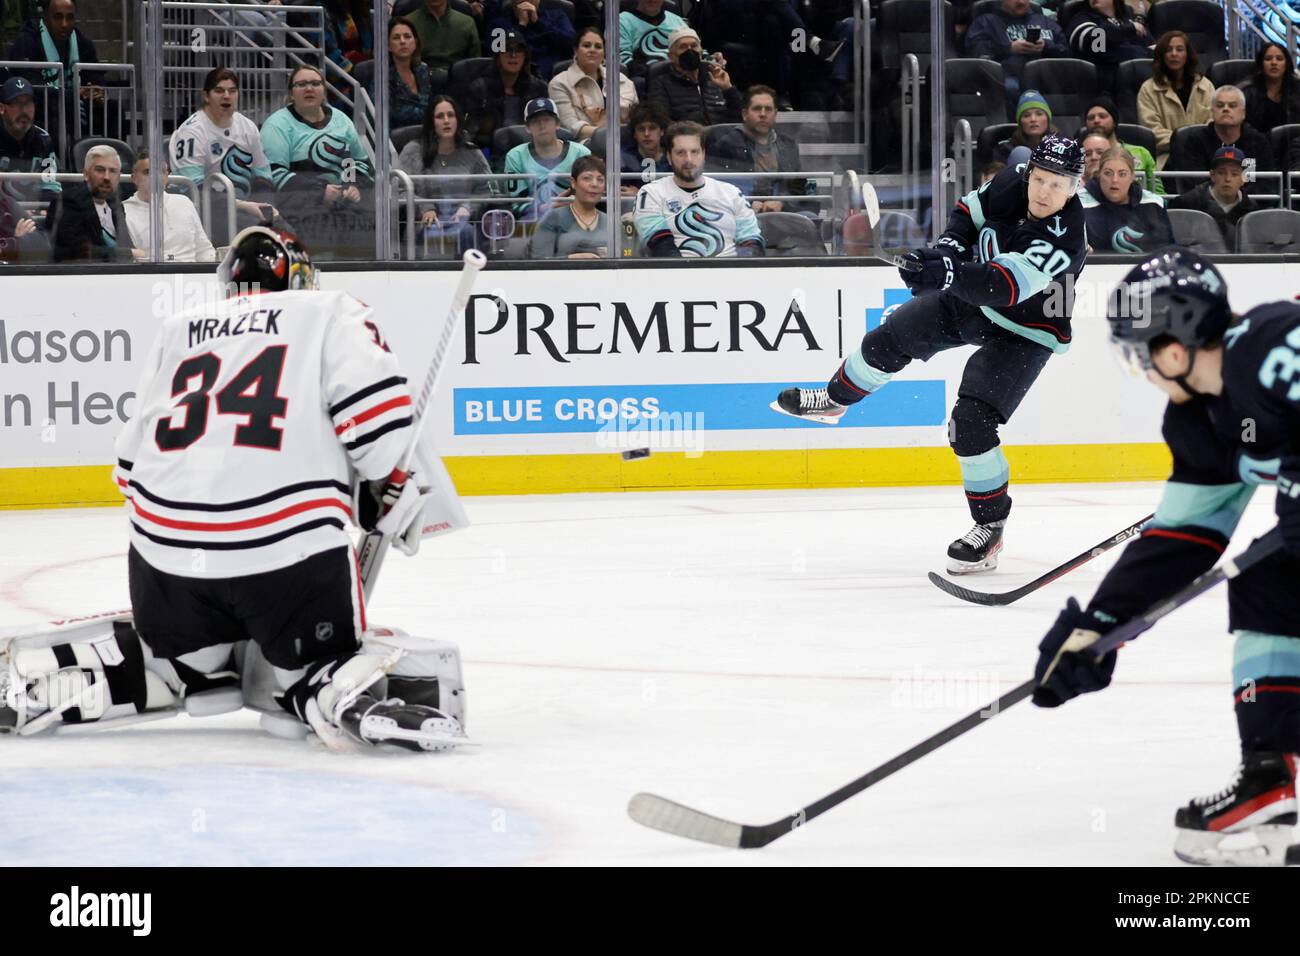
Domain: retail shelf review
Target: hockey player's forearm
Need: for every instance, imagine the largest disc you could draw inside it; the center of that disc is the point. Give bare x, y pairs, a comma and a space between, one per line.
1156, 566
1006, 280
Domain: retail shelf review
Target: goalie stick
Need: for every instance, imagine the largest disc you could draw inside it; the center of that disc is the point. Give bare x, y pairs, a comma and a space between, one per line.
659, 813
374, 544
989, 599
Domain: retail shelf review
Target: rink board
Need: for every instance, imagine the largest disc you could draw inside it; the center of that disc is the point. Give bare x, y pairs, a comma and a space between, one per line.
554, 373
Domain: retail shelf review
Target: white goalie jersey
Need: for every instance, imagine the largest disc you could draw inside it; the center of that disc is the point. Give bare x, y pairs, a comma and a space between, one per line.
250, 418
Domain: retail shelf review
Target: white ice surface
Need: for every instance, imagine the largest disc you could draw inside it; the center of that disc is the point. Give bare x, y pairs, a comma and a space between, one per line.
742, 652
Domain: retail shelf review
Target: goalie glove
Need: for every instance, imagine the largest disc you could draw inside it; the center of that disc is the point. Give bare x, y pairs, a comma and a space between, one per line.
401, 510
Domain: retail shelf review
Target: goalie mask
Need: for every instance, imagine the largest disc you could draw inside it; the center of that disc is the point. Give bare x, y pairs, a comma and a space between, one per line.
270, 259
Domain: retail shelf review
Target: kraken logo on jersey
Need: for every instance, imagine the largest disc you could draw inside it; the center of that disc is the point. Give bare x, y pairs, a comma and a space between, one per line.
654, 45
695, 222
1124, 239
329, 152
237, 165
988, 244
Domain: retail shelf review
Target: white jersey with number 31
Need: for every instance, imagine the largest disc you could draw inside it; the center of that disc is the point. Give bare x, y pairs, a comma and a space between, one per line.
249, 419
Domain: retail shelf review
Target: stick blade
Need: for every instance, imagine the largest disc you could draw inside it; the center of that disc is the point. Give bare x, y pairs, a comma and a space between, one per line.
966, 594
657, 813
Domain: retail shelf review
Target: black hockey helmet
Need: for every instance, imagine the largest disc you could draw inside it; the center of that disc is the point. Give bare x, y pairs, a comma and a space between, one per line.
1057, 154
1173, 293
270, 258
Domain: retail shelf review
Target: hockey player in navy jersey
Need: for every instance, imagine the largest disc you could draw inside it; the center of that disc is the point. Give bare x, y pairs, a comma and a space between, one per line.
256, 418
1232, 423
1003, 272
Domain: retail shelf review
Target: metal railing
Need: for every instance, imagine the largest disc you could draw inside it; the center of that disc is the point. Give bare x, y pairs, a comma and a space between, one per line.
911, 146
124, 94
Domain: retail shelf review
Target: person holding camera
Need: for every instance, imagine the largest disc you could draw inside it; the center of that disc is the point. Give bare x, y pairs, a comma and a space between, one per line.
696, 88
1013, 35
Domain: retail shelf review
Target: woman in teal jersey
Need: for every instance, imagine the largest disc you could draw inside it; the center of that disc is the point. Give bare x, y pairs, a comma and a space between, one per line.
321, 170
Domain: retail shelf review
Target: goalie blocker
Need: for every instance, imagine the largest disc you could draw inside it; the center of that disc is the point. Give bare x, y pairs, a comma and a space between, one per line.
98, 674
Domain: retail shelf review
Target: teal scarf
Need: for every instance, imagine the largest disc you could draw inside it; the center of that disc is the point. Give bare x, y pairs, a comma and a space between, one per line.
52, 55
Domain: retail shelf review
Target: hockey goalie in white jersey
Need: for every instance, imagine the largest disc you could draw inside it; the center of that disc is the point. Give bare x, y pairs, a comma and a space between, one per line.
255, 421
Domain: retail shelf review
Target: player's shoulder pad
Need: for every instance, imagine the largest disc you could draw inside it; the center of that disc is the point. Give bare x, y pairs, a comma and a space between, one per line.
1251, 339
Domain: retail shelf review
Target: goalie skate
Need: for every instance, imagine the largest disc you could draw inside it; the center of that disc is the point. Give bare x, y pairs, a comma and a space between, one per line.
409, 726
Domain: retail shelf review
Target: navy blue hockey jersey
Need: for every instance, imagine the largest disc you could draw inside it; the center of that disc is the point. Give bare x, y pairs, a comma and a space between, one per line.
1019, 270
1224, 447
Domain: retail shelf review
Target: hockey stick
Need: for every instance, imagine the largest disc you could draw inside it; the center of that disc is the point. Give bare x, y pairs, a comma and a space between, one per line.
661, 814
871, 207
989, 599
374, 544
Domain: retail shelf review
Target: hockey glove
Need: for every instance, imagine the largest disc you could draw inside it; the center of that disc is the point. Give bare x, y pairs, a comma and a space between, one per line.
938, 270
401, 506
1065, 667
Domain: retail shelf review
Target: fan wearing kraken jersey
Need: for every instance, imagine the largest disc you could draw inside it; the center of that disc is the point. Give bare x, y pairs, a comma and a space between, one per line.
220, 139
643, 33
692, 215
321, 169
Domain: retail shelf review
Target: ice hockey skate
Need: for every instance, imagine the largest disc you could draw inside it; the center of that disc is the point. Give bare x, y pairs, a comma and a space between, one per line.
397, 723
1250, 822
813, 404
976, 550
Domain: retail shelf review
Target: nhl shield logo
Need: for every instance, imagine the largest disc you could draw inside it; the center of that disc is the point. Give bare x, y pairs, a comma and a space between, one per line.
674, 206
324, 630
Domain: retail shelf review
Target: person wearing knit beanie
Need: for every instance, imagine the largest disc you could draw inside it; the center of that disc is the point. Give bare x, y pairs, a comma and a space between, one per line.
1032, 100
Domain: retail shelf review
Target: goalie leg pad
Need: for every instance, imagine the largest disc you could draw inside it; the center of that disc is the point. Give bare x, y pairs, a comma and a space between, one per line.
95, 673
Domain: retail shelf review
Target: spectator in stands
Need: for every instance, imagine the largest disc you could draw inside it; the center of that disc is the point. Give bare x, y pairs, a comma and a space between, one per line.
56, 38
1095, 146
442, 149
183, 237
756, 147
90, 222
409, 81
497, 100
1223, 196
989, 170
579, 92
694, 89
1121, 216
349, 34
775, 28
1033, 122
1106, 35
547, 157
1228, 127
220, 139
24, 146
690, 214
1099, 116
19, 237
644, 152
577, 230
320, 169
1177, 95
546, 29
644, 34
1014, 35
446, 35
1272, 92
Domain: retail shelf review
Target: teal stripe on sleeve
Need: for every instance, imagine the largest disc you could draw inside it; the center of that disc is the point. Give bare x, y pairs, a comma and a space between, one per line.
1030, 280
1218, 507
972, 201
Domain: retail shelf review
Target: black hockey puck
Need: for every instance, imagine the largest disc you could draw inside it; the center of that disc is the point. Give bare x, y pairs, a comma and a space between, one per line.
633, 454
